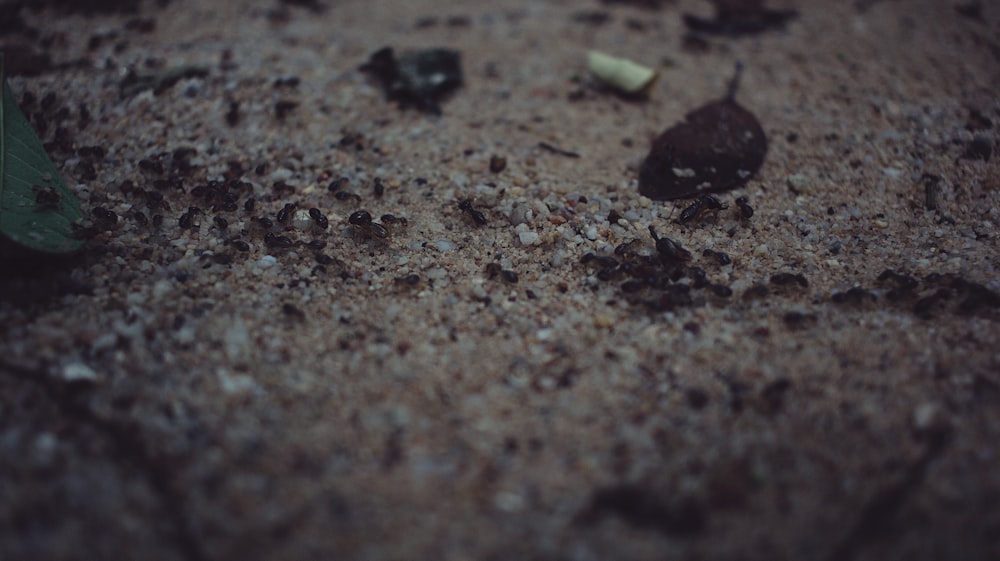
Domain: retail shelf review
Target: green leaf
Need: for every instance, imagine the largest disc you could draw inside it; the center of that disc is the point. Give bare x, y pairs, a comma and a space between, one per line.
37, 210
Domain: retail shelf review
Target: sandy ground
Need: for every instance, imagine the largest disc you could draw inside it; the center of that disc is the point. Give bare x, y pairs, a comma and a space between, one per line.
166, 395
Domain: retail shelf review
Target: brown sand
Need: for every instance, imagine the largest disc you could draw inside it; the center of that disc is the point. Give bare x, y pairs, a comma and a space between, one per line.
158, 404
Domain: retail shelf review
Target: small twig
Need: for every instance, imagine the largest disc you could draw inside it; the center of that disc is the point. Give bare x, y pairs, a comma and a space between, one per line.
557, 150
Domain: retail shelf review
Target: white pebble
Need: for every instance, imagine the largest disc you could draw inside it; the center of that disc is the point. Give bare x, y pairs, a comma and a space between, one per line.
436, 273
444, 245
267, 261
592, 233
281, 174
528, 238
78, 372
237, 340
161, 288
301, 220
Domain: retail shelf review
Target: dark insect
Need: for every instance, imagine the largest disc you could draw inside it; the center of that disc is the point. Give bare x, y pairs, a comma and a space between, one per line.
281, 186
233, 113
721, 290
265, 222
854, 295
783, 279
105, 215
698, 277
318, 217
603, 261
669, 250
363, 223
46, 197
289, 82
746, 211
720, 257
493, 269
283, 107
186, 220
716, 148
925, 305
794, 319
150, 166
49, 101
739, 17
221, 222
316, 244
323, 259
336, 184
408, 280
979, 149
625, 248
899, 281
703, 204
497, 164
241, 245
478, 217
978, 298
271, 240
285, 212
250, 204
378, 188
292, 311
508, 276
345, 195
352, 138
393, 220
608, 273
633, 285
419, 79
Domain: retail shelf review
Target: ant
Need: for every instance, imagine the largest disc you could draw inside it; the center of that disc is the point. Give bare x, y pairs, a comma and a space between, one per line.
669, 250
363, 224
703, 204
46, 197
746, 211
477, 216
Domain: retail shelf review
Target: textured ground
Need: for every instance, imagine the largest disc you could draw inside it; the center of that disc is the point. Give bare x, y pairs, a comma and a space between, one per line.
165, 395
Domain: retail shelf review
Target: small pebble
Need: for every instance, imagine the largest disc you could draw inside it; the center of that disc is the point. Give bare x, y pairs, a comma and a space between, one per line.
528, 238
78, 372
603, 320
799, 182
301, 220
444, 245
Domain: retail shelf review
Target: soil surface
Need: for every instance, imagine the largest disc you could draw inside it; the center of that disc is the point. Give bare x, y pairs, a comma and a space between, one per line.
525, 376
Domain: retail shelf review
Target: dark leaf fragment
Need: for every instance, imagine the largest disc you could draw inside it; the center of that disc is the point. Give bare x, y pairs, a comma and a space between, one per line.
739, 17
419, 79
715, 148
